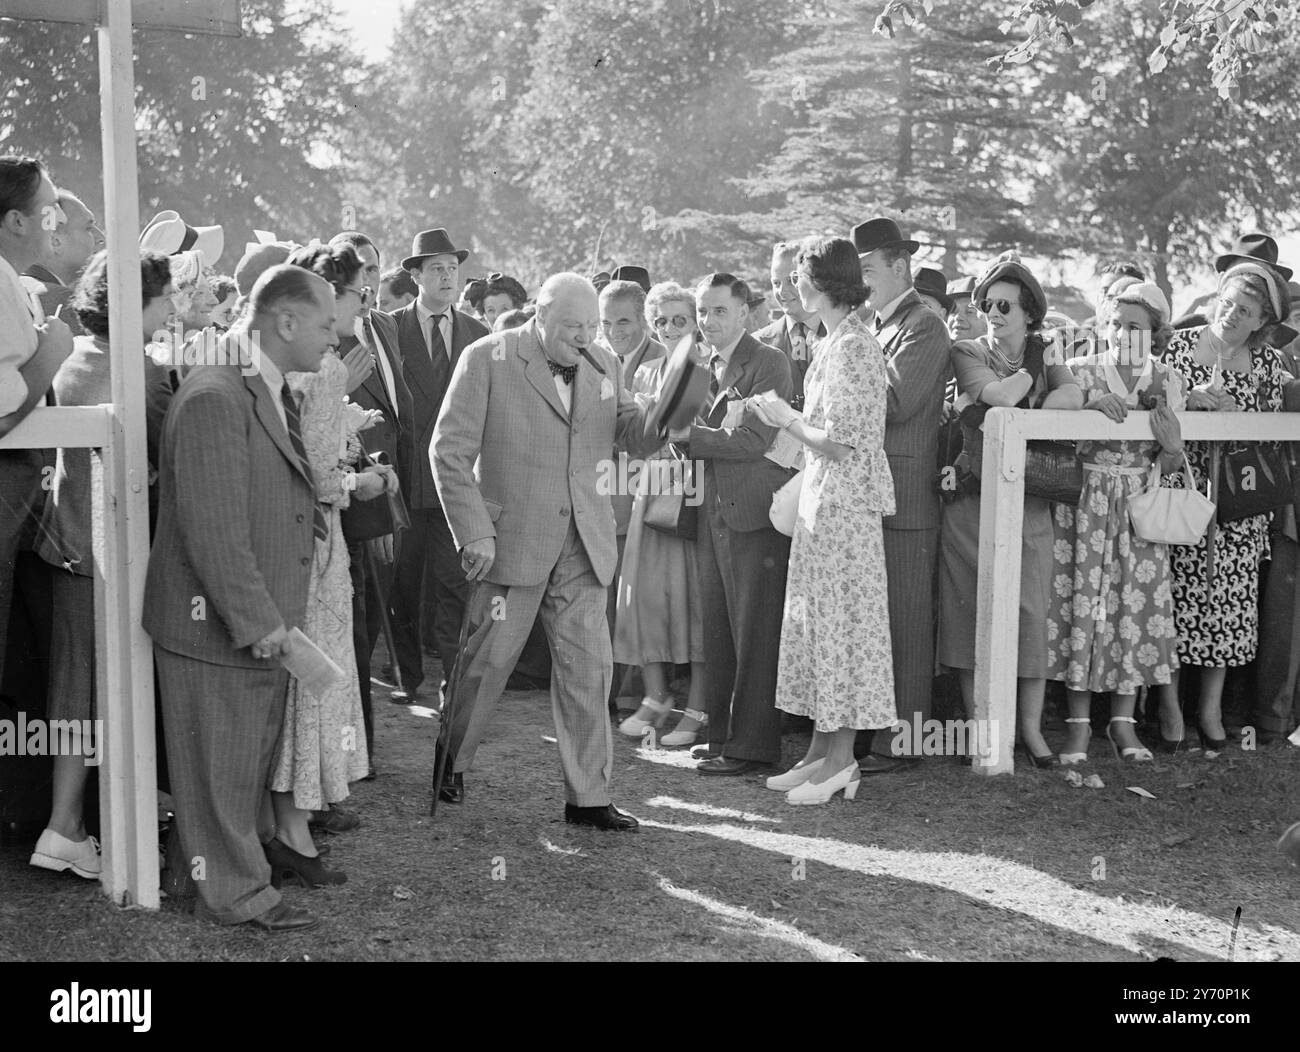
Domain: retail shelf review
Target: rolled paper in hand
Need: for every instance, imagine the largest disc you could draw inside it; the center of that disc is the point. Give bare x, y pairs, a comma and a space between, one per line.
310, 665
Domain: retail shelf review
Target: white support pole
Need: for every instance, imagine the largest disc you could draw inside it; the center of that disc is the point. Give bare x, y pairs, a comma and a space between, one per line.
997, 611
124, 657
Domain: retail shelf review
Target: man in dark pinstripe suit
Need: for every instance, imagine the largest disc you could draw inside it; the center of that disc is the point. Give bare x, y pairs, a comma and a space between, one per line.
918, 364
227, 579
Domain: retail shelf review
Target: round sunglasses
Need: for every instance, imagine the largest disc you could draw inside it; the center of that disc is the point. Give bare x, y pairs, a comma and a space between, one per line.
986, 306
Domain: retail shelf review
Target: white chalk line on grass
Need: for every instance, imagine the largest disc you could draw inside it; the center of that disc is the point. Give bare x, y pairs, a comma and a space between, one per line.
1021, 889
751, 923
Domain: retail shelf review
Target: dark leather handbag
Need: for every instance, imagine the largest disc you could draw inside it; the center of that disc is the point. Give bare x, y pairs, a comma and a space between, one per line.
1253, 479
364, 520
669, 506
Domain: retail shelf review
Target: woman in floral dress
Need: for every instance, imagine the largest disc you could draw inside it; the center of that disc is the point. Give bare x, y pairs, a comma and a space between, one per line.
1110, 624
836, 663
323, 742
1229, 366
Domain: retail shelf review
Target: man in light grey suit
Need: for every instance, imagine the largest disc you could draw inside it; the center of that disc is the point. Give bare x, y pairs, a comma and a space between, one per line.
227, 579
539, 410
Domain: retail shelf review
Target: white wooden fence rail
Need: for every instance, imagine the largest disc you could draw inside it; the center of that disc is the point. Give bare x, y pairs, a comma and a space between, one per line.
1002, 498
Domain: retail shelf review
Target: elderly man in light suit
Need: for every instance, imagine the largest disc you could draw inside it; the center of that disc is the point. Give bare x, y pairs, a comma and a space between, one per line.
539, 410
918, 365
227, 580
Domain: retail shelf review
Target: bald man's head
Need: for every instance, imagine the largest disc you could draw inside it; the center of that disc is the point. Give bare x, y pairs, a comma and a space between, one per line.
568, 316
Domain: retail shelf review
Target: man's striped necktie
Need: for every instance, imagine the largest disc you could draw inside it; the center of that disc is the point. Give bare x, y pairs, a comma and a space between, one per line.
293, 421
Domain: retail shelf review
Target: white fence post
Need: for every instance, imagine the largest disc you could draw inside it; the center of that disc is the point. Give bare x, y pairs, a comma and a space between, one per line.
997, 628
124, 656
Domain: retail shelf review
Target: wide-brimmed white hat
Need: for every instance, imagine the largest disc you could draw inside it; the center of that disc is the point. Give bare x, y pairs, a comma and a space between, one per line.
168, 233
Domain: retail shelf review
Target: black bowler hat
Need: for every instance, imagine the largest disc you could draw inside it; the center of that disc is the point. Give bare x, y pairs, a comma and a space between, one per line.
432, 243
959, 287
932, 283
880, 233
683, 390
1253, 248
636, 275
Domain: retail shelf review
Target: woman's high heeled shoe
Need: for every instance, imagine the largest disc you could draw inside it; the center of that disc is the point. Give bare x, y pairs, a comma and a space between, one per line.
1043, 762
1071, 759
310, 872
1134, 754
813, 793
687, 737
635, 727
797, 775
1211, 744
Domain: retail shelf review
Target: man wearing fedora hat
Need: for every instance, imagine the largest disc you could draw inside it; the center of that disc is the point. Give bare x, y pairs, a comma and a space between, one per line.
916, 346
932, 287
431, 334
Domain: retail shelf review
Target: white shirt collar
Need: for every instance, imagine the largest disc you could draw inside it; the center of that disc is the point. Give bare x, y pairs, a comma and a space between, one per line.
884, 315
424, 314
726, 352
1116, 384
270, 372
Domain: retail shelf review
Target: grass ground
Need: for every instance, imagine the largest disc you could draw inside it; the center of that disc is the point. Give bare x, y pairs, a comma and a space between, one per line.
928, 864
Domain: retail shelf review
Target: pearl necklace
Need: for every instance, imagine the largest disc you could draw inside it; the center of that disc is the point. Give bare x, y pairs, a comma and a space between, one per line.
1224, 360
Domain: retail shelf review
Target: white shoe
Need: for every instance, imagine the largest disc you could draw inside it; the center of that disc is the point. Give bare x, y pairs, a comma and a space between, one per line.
59, 853
812, 793
797, 775
636, 728
687, 737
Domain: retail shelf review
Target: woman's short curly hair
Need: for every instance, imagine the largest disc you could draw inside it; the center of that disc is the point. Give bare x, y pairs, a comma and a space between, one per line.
1161, 331
667, 292
1257, 288
496, 284
338, 264
90, 298
833, 268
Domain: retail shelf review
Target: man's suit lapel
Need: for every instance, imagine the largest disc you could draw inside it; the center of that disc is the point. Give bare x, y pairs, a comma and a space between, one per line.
890, 331
536, 370
735, 368
385, 343
586, 390
417, 370
269, 418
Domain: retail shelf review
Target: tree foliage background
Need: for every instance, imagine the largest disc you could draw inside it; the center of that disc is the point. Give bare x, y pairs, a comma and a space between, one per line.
687, 135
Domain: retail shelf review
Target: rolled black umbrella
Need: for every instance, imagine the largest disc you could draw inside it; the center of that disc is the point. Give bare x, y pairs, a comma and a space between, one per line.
444, 758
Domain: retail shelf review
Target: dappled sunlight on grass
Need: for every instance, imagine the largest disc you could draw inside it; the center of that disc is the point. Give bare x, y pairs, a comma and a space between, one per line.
745, 922
1139, 928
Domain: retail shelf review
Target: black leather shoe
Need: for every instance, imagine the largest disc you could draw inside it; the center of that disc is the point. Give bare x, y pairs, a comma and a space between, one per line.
726, 765
309, 872
404, 697
282, 917
706, 752
335, 820
452, 790
607, 817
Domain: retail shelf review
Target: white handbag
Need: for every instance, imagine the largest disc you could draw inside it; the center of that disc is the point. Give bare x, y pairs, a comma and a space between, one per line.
785, 505
1170, 516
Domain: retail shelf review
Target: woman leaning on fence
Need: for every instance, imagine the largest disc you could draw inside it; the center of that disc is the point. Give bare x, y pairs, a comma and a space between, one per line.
1229, 366
1110, 624
1007, 366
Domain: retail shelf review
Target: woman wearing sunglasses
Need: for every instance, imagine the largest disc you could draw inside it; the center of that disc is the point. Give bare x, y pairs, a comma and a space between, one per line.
1230, 367
323, 744
657, 624
1111, 622
1007, 366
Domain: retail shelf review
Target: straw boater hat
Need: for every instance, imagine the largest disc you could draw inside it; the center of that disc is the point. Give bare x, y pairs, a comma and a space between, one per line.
169, 234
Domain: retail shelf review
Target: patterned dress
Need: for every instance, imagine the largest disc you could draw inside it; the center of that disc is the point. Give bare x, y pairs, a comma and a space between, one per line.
659, 617
836, 663
323, 742
1222, 629
1110, 624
